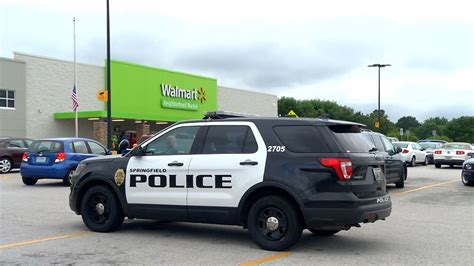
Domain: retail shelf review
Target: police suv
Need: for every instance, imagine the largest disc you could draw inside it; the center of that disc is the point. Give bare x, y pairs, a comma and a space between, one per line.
274, 176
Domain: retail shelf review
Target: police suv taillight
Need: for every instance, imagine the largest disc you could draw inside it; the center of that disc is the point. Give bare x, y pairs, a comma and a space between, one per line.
342, 167
25, 157
60, 157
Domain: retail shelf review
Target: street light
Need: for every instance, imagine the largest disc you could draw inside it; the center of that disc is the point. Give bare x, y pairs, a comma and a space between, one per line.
377, 125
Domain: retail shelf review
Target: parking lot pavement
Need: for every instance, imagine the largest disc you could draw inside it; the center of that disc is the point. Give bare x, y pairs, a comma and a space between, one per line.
431, 222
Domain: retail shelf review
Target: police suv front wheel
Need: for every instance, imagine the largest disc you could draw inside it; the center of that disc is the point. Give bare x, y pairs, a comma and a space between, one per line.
274, 223
100, 209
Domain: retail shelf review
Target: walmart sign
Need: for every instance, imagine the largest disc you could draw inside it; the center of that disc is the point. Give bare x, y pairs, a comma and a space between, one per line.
179, 98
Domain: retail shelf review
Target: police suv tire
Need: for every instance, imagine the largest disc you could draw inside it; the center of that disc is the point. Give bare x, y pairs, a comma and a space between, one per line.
95, 200
29, 181
67, 178
289, 225
317, 232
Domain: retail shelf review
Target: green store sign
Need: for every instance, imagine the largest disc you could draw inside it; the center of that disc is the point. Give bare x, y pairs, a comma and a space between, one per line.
146, 93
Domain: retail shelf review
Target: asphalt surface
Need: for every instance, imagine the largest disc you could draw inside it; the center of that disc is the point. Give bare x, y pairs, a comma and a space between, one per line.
432, 222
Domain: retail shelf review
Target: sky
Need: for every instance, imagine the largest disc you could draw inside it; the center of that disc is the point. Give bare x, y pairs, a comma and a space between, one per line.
300, 49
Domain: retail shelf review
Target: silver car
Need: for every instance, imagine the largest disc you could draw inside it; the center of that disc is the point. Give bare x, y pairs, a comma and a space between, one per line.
412, 152
453, 153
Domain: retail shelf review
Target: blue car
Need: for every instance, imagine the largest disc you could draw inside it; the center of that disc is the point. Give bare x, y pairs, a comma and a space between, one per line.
57, 158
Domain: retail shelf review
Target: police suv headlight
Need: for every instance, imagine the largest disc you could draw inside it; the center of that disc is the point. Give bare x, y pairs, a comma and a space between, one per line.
79, 168
468, 166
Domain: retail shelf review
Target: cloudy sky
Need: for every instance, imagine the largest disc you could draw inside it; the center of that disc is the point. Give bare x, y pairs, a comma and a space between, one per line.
302, 49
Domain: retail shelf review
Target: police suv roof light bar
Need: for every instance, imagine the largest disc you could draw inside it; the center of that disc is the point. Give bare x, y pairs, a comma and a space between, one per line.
225, 114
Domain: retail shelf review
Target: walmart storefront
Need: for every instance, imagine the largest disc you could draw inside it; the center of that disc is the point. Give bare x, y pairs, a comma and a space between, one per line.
144, 99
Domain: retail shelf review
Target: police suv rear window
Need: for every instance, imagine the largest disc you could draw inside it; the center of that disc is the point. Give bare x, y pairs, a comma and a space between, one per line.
46, 146
231, 139
301, 139
351, 139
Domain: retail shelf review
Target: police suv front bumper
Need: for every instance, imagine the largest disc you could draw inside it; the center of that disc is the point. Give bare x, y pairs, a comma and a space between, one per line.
347, 213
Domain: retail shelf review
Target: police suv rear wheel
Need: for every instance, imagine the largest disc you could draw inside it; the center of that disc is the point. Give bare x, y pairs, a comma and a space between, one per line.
274, 224
100, 209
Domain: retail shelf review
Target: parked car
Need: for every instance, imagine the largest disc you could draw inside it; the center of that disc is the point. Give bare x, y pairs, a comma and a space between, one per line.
57, 158
11, 150
392, 139
467, 175
412, 152
395, 167
430, 147
453, 153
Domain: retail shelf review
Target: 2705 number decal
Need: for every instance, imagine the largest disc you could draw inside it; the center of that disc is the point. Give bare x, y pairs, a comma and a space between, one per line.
276, 148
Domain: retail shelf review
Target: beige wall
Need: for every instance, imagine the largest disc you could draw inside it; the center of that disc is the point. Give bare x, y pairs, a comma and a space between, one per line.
49, 83
249, 102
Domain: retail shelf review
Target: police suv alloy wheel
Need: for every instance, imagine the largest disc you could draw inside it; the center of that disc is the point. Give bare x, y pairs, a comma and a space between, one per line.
274, 224
100, 210
5, 165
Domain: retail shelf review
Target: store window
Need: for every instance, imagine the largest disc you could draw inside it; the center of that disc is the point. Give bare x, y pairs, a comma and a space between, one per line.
7, 99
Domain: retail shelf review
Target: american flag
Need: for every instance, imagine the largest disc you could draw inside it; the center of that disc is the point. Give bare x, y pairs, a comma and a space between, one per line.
75, 103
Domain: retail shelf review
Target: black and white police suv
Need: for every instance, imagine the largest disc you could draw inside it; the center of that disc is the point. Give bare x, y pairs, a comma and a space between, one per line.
274, 176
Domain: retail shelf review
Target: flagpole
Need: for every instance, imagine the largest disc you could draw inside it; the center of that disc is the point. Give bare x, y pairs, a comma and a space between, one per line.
75, 79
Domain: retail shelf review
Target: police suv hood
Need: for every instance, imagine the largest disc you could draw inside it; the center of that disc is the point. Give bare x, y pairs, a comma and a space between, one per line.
101, 159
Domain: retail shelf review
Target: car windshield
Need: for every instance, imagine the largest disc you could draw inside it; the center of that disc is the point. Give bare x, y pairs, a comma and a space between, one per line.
46, 146
428, 145
458, 146
400, 144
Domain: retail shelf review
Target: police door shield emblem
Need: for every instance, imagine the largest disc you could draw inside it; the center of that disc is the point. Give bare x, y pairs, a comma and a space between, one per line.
119, 177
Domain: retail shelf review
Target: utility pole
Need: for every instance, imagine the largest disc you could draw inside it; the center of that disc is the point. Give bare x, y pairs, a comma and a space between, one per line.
377, 123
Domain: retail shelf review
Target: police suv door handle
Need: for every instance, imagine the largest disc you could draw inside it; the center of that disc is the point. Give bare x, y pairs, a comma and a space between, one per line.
248, 162
175, 163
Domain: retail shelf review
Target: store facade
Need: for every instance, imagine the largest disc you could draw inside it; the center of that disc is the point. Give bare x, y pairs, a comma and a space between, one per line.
144, 99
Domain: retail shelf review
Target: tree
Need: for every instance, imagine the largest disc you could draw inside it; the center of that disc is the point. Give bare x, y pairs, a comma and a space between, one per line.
425, 130
407, 122
461, 129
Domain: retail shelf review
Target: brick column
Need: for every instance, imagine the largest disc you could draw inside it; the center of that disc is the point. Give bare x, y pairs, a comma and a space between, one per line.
142, 129
100, 132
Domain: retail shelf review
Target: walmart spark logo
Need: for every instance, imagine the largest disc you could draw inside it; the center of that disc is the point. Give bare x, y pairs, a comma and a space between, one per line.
202, 95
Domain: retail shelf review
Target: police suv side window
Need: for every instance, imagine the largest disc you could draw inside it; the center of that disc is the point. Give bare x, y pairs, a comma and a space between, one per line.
378, 143
176, 141
301, 139
231, 139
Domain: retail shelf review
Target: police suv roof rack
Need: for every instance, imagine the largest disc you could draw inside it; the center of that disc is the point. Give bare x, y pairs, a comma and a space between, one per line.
225, 114
324, 116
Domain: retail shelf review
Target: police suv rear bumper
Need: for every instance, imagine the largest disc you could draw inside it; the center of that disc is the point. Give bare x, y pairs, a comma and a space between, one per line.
347, 213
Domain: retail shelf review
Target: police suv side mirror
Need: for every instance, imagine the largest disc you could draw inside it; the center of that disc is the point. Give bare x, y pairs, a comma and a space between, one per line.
138, 151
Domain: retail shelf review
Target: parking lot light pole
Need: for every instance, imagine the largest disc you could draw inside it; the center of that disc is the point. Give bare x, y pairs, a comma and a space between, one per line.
109, 92
378, 124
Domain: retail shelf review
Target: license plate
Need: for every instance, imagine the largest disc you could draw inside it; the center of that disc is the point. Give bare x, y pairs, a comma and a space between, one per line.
377, 174
447, 157
40, 159
383, 199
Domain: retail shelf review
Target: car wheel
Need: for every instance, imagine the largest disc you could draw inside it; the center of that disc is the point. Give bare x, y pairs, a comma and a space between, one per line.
437, 165
274, 223
29, 181
467, 182
67, 178
101, 210
426, 161
5, 165
401, 181
413, 161
317, 232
